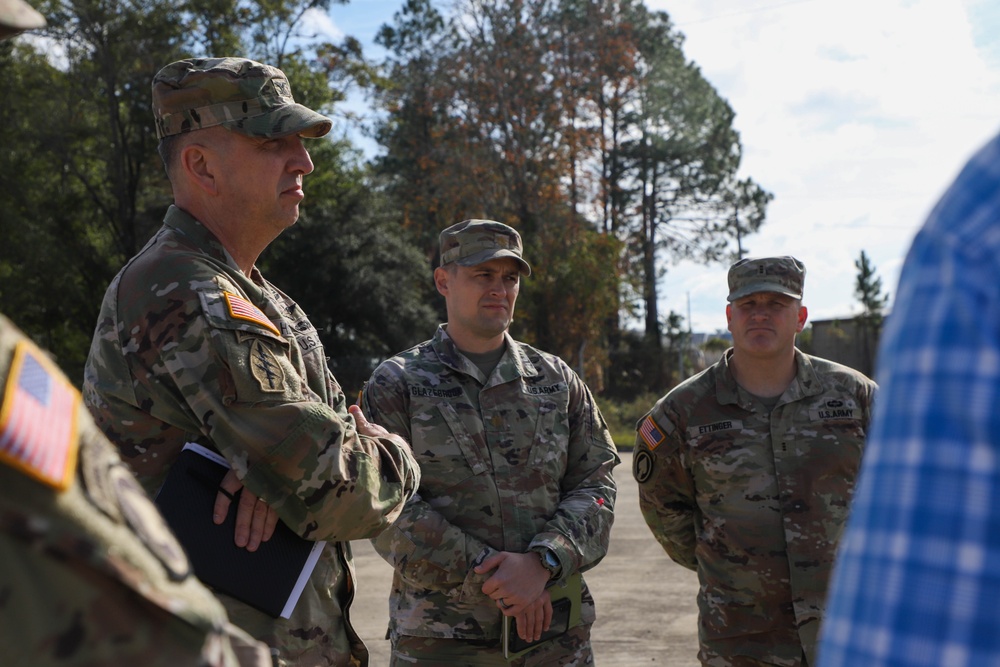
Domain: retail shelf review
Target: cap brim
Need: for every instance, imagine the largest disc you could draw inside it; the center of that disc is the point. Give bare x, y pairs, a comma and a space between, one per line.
494, 253
754, 288
282, 122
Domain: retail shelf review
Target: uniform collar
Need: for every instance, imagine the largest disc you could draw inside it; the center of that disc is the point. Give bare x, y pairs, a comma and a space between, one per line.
513, 365
185, 224
806, 381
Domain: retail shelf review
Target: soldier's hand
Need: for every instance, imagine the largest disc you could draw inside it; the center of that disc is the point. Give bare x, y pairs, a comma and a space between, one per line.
365, 427
255, 520
518, 581
534, 619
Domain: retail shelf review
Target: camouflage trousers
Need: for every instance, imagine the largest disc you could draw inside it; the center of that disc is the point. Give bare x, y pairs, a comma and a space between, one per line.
568, 650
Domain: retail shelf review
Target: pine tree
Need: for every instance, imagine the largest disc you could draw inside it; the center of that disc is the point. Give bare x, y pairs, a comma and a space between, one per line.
868, 290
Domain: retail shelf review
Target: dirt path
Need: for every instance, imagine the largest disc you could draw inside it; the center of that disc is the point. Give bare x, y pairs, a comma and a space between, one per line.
646, 611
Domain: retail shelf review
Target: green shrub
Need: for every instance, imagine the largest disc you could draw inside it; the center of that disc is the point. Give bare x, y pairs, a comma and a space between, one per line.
623, 416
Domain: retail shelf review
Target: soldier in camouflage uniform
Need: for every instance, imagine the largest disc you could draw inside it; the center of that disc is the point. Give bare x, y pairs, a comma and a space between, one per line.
746, 471
516, 490
194, 345
90, 575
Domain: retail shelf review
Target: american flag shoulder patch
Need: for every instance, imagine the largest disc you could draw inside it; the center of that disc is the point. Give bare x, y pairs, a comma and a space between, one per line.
38, 427
651, 433
241, 309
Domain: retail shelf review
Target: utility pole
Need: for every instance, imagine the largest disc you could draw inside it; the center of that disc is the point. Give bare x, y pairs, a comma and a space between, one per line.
689, 315
684, 345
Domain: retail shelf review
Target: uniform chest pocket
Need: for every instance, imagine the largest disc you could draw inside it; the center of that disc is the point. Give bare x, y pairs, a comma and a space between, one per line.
461, 446
550, 440
838, 429
732, 464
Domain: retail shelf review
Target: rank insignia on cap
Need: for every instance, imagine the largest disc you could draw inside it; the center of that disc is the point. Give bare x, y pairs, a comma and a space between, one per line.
651, 433
38, 430
241, 309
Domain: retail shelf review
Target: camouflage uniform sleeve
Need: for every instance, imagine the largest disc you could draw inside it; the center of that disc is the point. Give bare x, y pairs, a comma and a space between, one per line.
867, 395
197, 369
353, 487
91, 572
307, 460
421, 544
580, 530
666, 490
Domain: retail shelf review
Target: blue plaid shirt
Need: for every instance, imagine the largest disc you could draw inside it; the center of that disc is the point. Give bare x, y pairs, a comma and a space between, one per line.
917, 580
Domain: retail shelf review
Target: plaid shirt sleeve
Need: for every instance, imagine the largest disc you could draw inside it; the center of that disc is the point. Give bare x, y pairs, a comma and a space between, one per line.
917, 581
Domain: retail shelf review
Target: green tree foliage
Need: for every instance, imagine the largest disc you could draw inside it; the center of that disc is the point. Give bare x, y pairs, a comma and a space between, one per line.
681, 161
416, 133
85, 187
581, 123
868, 290
47, 263
474, 131
360, 277
82, 188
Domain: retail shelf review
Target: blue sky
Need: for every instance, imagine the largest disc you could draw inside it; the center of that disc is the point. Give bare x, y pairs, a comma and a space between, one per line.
856, 114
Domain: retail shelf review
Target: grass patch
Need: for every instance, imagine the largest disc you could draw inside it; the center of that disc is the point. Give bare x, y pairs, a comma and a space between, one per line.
623, 416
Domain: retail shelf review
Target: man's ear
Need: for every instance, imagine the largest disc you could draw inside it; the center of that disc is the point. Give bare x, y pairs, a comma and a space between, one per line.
729, 317
803, 316
198, 166
441, 281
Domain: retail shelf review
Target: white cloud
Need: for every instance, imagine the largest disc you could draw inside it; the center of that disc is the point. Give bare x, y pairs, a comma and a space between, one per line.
322, 24
856, 114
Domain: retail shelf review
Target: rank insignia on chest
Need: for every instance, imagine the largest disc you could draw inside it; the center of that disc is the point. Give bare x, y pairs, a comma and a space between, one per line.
241, 309
38, 430
651, 433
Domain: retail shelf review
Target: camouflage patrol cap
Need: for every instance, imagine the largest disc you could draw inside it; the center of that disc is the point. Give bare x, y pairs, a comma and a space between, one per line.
239, 94
473, 242
784, 275
17, 16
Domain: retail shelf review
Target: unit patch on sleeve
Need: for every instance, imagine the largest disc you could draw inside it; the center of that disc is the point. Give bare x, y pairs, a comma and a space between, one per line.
642, 466
38, 430
266, 368
241, 309
651, 433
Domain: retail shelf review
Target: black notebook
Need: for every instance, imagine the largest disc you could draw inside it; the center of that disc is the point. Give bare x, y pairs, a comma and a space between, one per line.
566, 603
270, 579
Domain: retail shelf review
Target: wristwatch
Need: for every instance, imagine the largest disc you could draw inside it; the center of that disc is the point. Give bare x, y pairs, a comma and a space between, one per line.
549, 561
